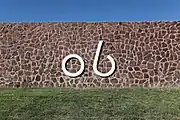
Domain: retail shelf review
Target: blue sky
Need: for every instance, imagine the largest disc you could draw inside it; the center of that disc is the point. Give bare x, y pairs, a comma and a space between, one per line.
88, 10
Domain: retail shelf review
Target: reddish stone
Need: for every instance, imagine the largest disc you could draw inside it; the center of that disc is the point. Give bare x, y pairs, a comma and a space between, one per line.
14, 62
20, 73
146, 76
136, 68
130, 68
38, 78
144, 70
105, 80
130, 75
150, 65
172, 36
139, 75
3, 51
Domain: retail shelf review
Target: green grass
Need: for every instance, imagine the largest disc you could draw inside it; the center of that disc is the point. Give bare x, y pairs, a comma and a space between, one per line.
90, 104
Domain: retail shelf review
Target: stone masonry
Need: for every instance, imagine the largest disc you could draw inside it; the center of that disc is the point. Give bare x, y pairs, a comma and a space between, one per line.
147, 54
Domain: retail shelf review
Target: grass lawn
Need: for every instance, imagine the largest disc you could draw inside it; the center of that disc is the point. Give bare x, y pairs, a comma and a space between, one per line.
90, 104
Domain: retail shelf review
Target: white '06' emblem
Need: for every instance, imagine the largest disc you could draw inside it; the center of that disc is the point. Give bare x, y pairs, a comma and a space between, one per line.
95, 64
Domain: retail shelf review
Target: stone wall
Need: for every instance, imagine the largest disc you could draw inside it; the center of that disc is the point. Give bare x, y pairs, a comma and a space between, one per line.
147, 54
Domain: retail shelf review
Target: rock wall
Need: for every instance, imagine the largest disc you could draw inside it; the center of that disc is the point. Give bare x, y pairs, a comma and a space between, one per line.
147, 54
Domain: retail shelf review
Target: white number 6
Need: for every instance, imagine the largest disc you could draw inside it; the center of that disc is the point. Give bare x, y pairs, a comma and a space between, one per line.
96, 59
